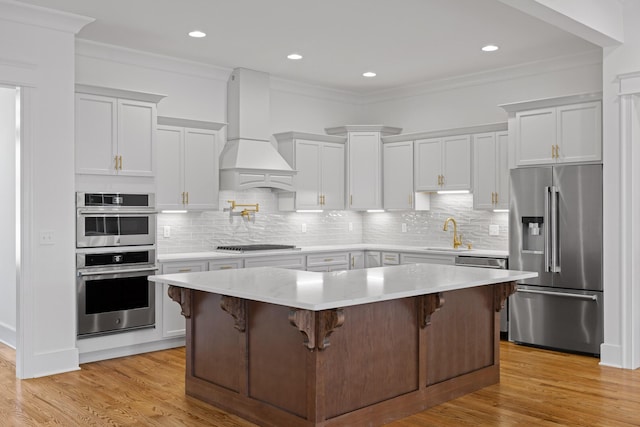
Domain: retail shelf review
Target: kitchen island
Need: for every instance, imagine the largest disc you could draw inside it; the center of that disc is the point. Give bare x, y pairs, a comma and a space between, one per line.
359, 347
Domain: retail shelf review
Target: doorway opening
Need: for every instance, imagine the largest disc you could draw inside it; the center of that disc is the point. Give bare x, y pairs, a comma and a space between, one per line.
9, 212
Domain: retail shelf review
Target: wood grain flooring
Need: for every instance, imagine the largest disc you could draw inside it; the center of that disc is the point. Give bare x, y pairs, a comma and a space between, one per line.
537, 388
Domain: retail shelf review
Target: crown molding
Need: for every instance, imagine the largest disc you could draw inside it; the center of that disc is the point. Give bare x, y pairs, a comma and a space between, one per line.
344, 130
593, 57
119, 93
314, 91
139, 58
189, 123
287, 136
491, 127
42, 17
551, 102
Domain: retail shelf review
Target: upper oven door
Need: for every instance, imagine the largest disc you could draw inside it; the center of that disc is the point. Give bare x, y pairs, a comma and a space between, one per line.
102, 229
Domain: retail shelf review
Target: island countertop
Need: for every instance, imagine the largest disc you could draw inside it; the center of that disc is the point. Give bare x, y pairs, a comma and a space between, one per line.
323, 291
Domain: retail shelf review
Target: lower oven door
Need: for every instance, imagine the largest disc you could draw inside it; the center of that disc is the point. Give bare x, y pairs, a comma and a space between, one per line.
115, 300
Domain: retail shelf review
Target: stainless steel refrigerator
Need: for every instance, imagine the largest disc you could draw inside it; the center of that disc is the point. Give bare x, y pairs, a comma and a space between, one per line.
555, 228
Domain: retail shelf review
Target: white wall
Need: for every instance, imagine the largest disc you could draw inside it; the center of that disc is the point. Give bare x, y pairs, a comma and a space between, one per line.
8, 215
40, 60
475, 100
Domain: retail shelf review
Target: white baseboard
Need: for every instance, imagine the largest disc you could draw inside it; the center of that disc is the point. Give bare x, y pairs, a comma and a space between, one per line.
94, 356
8, 335
611, 355
53, 362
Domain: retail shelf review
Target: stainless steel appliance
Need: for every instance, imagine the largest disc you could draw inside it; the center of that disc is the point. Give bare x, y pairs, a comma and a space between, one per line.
113, 291
555, 226
495, 263
115, 219
255, 248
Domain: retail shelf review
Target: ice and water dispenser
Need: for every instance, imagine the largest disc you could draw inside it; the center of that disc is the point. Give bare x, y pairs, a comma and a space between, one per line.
532, 234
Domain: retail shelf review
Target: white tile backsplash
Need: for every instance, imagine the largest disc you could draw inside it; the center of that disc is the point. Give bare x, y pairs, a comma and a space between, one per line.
203, 231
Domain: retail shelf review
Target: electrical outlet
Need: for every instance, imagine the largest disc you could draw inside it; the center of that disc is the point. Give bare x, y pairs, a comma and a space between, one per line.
494, 230
404, 227
303, 228
350, 226
166, 231
47, 237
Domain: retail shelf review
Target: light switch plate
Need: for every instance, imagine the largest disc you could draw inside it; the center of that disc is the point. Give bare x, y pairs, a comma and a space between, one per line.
494, 230
404, 227
47, 237
350, 226
303, 228
166, 231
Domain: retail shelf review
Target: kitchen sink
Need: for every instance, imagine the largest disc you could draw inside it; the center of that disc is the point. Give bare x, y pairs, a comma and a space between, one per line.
447, 249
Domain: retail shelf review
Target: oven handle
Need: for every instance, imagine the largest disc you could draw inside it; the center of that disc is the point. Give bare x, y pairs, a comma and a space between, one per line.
115, 212
98, 273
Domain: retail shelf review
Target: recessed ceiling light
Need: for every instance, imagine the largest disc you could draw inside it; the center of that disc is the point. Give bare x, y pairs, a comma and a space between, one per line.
490, 48
294, 56
369, 74
197, 34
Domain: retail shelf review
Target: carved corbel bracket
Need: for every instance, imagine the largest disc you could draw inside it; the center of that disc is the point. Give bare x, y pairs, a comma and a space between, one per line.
183, 297
427, 305
501, 292
237, 308
316, 336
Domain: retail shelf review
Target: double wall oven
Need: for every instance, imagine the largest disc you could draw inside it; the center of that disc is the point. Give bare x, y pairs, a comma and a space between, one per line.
115, 254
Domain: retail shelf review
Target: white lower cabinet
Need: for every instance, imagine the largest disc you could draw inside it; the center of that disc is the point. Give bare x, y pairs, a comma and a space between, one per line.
173, 323
294, 262
390, 258
229, 264
328, 261
357, 260
372, 259
408, 258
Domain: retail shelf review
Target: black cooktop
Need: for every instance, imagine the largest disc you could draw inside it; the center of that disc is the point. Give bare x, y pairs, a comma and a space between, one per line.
253, 248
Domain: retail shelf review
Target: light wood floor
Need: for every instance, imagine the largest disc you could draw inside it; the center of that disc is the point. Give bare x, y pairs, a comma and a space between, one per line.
537, 388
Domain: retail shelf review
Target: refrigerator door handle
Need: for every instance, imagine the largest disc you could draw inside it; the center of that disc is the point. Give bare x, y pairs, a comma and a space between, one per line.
559, 294
555, 244
547, 229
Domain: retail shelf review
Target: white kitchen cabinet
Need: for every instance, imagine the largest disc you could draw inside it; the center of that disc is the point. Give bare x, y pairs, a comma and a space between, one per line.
187, 175
114, 135
443, 163
559, 134
294, 262
491, 170
173, 323
333, 261
364, 164
398, 175
226, 264
410, 258
320, 164
372, 259
357, 260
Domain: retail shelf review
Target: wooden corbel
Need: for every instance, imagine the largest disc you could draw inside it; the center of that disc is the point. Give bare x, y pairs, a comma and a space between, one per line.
501, 292
427, 305
316, 336
237, 308
183, 297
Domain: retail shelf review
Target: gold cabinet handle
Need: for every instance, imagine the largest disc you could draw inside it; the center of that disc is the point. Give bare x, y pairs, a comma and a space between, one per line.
496, 198
187, 198
553, 151
120, 162
226, 267
351, 200
184, 270
353, 262
439, 180
557, 151
183, 197
493, 198
328, 259
116, 163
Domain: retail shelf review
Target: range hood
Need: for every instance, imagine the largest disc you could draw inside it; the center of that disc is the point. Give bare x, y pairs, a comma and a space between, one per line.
248, 159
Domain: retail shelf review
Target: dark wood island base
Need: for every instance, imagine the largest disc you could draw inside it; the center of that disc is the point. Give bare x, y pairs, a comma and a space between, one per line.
366, 364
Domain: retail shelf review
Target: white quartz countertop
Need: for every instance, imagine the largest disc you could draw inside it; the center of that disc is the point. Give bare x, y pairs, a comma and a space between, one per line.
322, 291
192, 256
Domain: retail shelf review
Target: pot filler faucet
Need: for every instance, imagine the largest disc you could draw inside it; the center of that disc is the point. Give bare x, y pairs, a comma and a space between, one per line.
457, 238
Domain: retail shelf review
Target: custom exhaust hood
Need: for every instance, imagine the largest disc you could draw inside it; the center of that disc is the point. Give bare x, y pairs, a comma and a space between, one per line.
248, 159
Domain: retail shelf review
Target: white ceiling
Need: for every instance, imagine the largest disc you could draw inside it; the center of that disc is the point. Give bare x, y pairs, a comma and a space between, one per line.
404, 41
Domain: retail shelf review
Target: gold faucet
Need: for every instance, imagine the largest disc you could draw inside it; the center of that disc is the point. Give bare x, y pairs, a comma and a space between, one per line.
457, 240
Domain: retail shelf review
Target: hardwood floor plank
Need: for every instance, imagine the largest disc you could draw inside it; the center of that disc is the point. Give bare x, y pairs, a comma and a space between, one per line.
537, 388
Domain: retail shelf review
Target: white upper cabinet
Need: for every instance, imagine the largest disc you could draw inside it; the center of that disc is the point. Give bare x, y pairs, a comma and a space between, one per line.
320, 164
115, 131
491, 170
443, 163
187, 175
364, 164
557, 130
398, 175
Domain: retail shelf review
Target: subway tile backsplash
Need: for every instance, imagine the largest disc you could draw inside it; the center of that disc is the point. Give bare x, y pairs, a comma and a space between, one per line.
203, 231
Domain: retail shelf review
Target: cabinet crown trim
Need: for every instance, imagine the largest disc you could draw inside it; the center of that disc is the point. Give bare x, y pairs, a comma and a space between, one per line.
189, 123
551, 102
120, 93
491, 127
344, 130
287, 136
